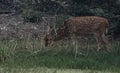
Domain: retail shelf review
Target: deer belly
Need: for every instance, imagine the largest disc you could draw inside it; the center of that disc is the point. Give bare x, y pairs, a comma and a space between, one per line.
83, 32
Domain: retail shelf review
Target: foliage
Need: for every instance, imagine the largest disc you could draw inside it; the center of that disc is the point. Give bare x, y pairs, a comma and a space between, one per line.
33, 10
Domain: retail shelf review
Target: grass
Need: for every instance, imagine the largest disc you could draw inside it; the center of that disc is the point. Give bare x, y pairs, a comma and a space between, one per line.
31, 57
47, 70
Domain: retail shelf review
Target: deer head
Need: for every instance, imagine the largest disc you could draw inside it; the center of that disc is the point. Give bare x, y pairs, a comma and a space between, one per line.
50, 38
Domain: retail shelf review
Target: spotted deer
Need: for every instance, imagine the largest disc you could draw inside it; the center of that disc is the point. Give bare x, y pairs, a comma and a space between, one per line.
81, 26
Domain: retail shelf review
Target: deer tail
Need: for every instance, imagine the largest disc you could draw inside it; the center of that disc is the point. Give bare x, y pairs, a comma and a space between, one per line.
106, 31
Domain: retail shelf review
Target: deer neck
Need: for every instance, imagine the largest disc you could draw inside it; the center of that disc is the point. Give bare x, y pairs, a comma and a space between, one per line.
58, 37
61, 33
55, 38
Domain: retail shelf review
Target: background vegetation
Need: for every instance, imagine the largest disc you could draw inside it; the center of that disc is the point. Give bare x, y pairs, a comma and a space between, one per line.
33, 10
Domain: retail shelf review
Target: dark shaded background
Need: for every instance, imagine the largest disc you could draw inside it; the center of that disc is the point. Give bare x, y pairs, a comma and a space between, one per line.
32, 10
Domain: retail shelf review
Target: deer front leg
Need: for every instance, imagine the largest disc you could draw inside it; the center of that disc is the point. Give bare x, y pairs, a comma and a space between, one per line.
74, 42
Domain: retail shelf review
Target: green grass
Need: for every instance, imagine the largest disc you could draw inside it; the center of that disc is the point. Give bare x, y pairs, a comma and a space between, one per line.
30, 57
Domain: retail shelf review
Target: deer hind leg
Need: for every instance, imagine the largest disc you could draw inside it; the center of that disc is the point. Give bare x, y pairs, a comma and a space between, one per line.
105, 40
99, 40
